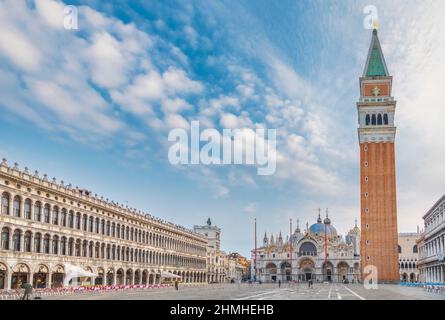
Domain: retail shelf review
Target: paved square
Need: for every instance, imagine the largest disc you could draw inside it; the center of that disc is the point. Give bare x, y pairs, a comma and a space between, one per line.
334, 291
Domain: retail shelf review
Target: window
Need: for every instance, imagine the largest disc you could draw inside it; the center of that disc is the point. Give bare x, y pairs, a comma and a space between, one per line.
55, 245
5, 203
367, 120
373, 120
37, 211
366, 179
71, 219
46, 244
91, 225
27, 241
27, 209
85, 222
16, 206
385, 119
37, 241
78, 220
415, 250
55, 216
16, 240
63, 218
379, 120
366, 163
63, 246
46, 213
400, 249
5, 239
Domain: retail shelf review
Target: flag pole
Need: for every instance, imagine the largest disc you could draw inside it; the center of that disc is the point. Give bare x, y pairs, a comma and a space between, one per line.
290, 247
254, 258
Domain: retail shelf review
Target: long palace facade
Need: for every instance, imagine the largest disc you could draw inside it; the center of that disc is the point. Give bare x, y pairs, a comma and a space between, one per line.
48, 227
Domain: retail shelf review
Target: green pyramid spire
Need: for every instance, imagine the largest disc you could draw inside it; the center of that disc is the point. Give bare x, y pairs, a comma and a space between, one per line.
375, 64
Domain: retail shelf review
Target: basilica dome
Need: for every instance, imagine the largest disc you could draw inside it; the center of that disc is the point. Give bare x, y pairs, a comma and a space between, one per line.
319, 227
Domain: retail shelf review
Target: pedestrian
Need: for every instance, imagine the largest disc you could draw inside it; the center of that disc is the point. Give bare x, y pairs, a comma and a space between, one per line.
279, 283
176, 285
27, 292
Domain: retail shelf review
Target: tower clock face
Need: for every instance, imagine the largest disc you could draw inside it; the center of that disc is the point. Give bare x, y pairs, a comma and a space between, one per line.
376, 91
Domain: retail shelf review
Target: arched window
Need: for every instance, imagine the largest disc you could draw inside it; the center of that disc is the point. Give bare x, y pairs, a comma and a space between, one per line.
379, 119
16, 207
63, 246
63, 217
46, 213
27, 241
78, 220
97, 225
55, 215
102, 227
91, 224
71, 219
46, 239
37, 211
385, 119
27, 209
307, 249
16, 240
108, 228
5, 239
400, 249
5, 203
85, 222
368, 120
70, 246
37, 242
55, 245
415, 250
77, 249
373, 120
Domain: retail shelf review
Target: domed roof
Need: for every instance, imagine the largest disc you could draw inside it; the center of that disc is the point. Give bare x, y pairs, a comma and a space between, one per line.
319, 227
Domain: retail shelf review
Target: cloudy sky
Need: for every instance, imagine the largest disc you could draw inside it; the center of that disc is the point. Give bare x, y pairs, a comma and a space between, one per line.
94, 106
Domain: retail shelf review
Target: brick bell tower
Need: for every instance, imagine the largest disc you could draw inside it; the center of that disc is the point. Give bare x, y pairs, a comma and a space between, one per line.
376, 109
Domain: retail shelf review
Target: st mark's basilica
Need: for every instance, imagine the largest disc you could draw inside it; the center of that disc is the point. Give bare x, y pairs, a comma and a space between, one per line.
317, 253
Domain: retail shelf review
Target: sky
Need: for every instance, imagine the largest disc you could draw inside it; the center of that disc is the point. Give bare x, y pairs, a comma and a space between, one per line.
93, 107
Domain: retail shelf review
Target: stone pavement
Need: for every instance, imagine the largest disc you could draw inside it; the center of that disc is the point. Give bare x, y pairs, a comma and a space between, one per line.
335, 291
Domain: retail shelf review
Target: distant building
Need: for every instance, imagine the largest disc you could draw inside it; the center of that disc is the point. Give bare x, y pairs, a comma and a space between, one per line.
318, 253
408, 257
240, 265
432, 244
216, 258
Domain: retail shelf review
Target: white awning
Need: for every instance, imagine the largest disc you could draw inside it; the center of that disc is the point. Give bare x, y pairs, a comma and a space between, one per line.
72, 271
166, 274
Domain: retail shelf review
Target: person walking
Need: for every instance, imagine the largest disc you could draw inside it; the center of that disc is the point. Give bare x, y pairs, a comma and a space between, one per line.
279, 283
28, 290
176, 285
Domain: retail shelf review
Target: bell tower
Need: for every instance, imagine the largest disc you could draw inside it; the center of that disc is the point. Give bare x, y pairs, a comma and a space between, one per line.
376, 131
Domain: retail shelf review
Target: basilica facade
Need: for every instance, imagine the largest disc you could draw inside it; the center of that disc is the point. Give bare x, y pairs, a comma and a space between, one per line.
317, 253
48, 228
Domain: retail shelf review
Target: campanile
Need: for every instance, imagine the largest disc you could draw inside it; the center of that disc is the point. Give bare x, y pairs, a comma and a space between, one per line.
376, 109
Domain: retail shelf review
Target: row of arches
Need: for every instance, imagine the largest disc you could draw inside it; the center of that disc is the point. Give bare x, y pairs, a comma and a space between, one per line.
53, 214
46, 243
44, 277
407, 265
307, 270
376, 119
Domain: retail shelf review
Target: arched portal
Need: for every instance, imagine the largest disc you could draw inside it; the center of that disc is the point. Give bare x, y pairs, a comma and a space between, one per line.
271, 271
58, 276
342, 271
20, 275
110, 277
40, 278
307, 269
129, 277
286, 271
3, 276
327, 270
120, 277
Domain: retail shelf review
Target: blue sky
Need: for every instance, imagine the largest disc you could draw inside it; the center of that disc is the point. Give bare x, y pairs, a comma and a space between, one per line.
93, 107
